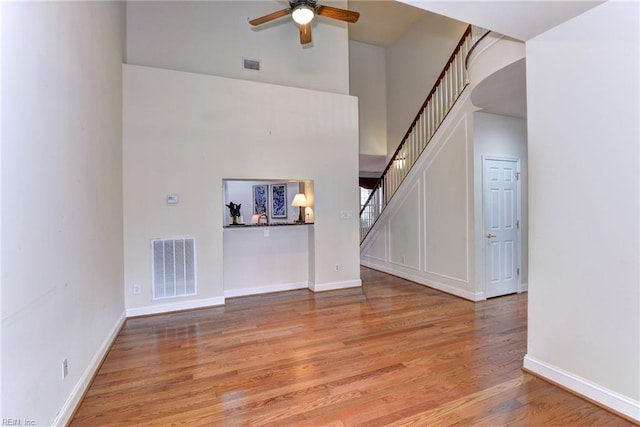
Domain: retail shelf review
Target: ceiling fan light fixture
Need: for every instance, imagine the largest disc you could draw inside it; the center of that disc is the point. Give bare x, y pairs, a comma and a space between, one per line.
303, 14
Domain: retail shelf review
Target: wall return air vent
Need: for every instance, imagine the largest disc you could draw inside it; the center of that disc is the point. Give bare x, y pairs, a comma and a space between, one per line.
173, 267
251, 64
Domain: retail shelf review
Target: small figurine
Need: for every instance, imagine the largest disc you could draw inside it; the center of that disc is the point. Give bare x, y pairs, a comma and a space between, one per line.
234, 211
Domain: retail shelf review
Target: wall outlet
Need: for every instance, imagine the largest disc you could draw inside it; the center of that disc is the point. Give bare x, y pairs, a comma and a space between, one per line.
136, 289
65, 368
337, 267
403, 261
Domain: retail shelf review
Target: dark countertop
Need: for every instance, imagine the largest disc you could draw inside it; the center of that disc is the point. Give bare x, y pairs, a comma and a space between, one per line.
263, 225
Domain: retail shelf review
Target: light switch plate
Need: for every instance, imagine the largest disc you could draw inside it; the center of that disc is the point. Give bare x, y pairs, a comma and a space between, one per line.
346, 214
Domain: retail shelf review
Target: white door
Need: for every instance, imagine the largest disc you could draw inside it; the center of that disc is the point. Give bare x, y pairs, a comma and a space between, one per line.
501, 226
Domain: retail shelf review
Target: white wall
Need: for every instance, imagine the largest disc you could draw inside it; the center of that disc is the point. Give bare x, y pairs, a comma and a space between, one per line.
184, 133
368, 83
1, 225
496, 135
212, 37
265, 259
413, 63
426, 232
584, 278
62, 253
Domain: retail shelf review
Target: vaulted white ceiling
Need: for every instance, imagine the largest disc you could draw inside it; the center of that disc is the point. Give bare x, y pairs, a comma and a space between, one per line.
382, 22
521, 20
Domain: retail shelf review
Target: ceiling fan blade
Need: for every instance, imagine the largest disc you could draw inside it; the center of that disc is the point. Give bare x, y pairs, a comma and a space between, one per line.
270, 17
336, 13
305, 33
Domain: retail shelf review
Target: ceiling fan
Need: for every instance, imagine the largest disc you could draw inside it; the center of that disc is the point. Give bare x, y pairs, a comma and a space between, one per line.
303, 12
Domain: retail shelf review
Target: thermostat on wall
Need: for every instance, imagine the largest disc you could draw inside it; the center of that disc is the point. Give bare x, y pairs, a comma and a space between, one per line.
172, 199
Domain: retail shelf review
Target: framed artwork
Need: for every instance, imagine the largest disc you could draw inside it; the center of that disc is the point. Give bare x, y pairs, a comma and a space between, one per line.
260, 198
278, 200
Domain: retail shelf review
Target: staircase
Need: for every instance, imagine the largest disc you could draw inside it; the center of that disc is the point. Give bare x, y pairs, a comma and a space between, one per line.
452, 81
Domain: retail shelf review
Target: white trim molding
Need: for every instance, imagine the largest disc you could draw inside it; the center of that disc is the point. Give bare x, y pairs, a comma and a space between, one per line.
174, 306
322, 287
519, 233
265, 289
616, 402
430, 283
66, 412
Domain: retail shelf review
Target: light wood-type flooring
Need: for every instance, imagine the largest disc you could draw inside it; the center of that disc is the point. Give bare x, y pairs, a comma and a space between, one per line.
388, 354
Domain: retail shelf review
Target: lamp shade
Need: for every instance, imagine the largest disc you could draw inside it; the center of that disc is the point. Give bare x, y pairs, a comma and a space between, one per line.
299, 201
302, 14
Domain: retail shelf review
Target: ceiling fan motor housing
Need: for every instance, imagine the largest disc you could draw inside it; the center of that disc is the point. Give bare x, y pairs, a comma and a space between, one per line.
308, 3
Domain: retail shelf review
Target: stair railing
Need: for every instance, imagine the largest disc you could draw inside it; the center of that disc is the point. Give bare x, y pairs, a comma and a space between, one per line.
448, 87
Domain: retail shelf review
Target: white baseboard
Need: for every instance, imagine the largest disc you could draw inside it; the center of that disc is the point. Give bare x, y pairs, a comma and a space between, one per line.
265, 289
174, 306
66, 412
322, 287
462, 293
616, 402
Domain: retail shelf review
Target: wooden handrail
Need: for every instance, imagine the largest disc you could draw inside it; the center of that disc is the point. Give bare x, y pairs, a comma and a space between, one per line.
461, 42
473, 47
444, 94
429, 96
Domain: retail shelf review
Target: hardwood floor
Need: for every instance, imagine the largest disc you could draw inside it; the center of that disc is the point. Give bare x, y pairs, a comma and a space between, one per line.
391, 353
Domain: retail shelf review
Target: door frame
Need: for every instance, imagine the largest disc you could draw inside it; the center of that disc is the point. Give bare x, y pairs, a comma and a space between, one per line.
518, 214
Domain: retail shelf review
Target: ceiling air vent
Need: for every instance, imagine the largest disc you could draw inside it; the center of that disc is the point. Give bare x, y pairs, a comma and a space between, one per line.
251, 64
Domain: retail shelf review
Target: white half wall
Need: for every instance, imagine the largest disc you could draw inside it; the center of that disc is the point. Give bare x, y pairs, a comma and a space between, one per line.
265, 259
426, 232
213, 37
184, 133
62, 247
584, 204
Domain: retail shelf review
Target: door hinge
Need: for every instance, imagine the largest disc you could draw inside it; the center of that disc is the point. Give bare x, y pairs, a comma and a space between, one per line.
518, 224
518, 271
518, 176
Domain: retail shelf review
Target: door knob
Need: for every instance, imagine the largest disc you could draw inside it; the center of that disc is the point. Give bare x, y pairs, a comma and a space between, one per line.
489, 236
